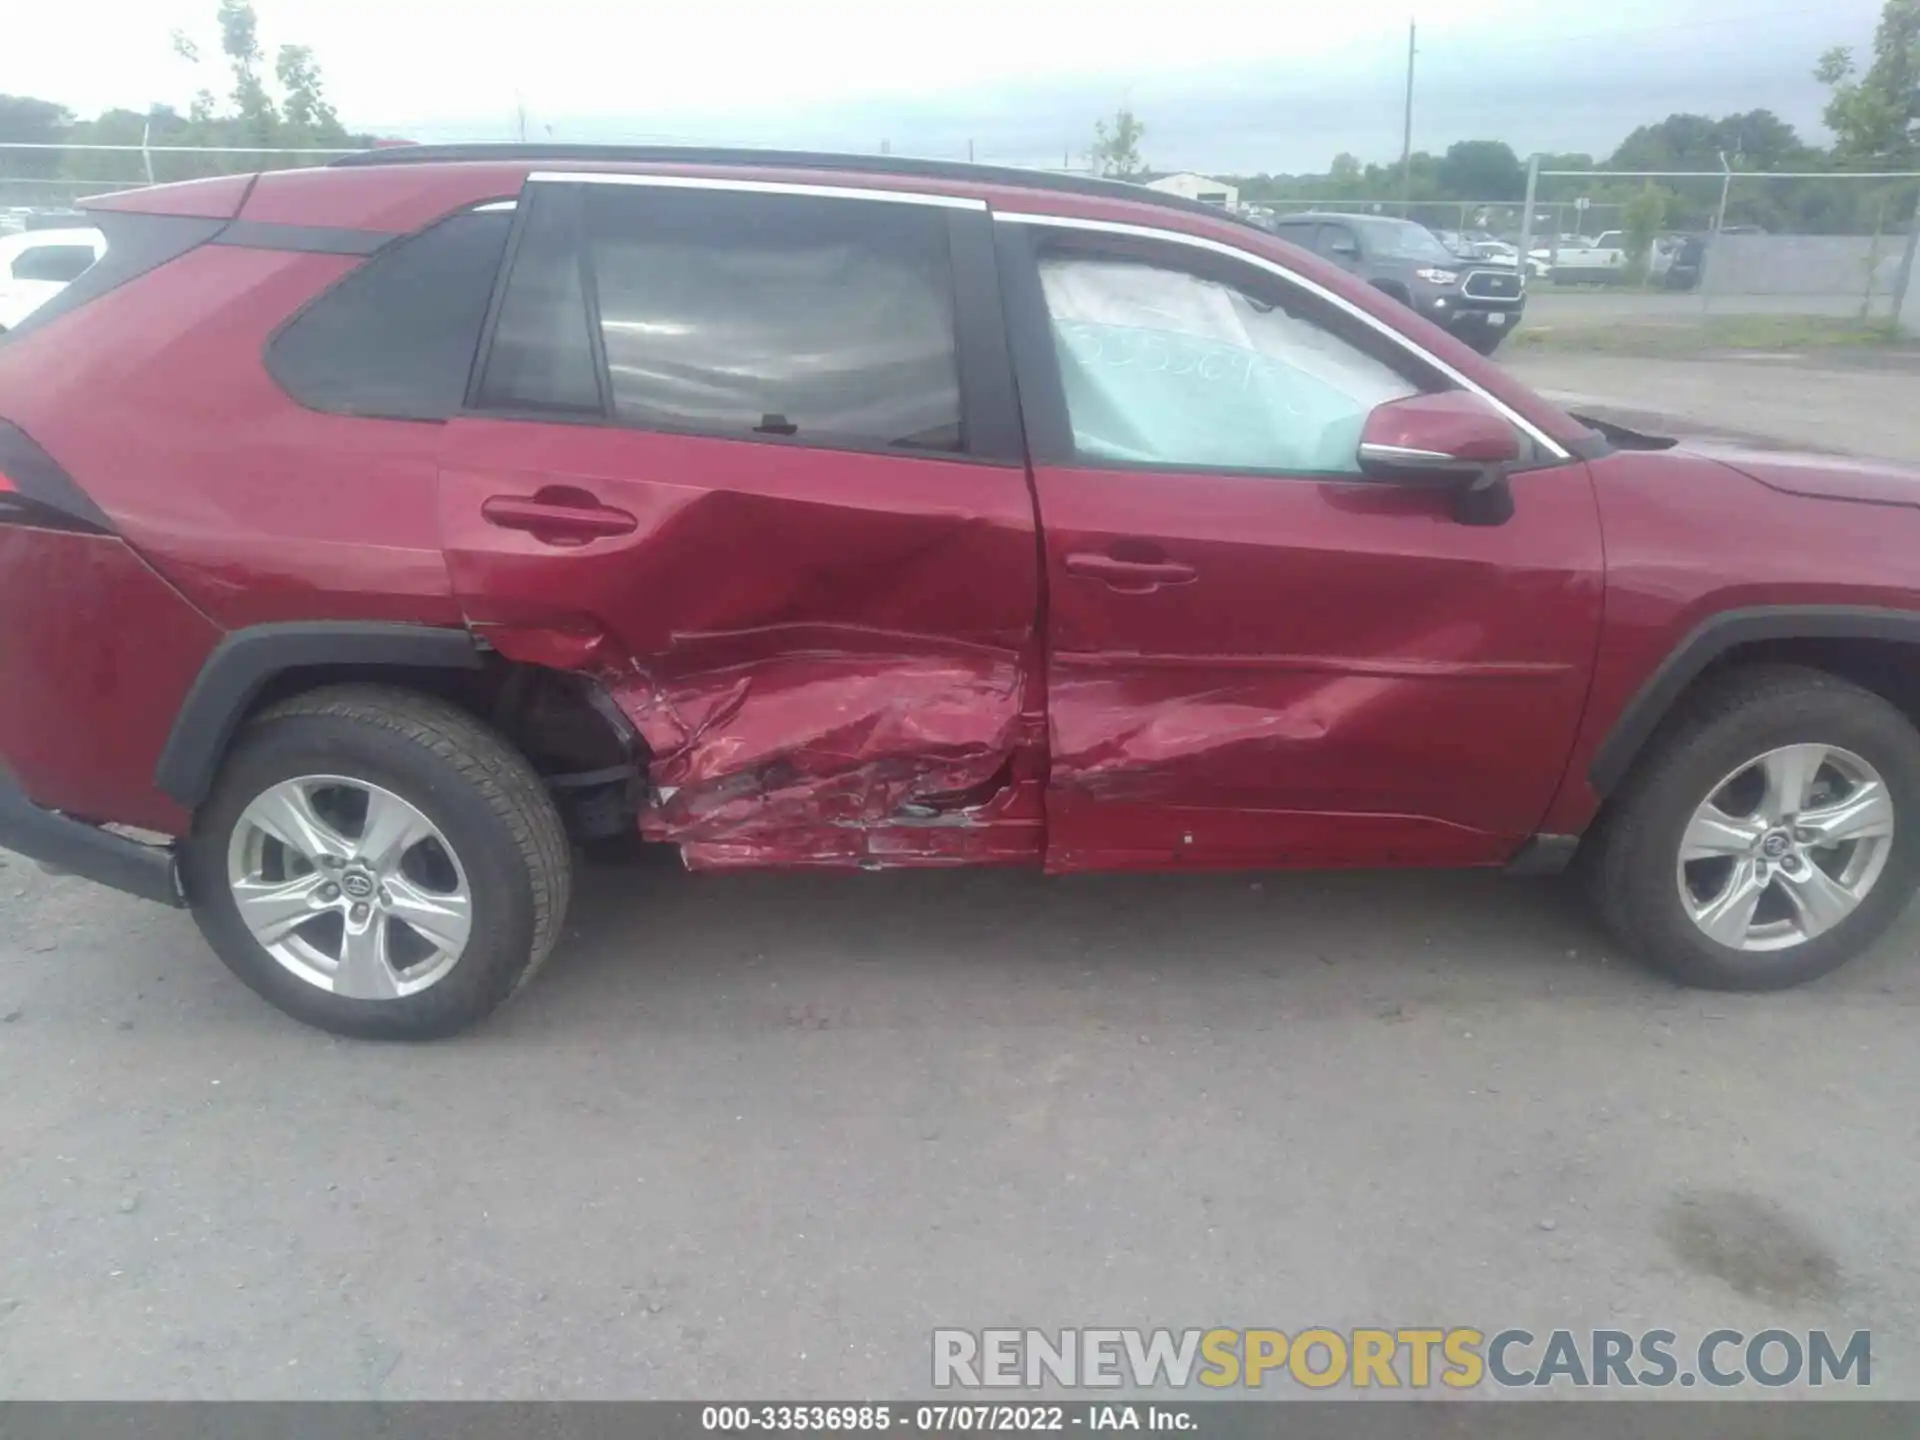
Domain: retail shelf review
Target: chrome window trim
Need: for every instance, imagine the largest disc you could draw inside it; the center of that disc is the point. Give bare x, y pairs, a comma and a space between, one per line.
1292, 277
1379, 450
753, 187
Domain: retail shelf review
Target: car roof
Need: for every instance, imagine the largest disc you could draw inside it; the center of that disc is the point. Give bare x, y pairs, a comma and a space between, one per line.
732, 158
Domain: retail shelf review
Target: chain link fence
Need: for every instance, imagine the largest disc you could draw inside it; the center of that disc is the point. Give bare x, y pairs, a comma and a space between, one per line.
1793, 243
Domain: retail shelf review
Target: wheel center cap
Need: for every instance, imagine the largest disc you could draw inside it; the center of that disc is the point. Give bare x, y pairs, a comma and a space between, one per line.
357, 883
1775, 844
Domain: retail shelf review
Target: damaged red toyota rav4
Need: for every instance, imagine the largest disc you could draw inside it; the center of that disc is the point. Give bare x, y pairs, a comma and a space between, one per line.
371, 535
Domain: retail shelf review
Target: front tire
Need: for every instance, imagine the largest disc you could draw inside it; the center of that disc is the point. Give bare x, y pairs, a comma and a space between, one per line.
378, 863
1483, 339
1771, 834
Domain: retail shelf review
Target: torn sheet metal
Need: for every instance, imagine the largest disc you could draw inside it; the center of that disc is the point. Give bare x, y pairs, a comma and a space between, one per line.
793, 760
815, 643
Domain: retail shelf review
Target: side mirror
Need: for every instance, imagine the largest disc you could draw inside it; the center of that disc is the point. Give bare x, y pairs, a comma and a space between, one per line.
1344, 250
1452, 440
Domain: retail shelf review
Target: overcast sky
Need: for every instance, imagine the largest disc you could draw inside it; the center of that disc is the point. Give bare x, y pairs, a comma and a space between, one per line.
1222, 84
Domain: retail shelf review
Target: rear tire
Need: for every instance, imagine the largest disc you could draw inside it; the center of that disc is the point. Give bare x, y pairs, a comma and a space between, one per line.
1723, 750
469, 804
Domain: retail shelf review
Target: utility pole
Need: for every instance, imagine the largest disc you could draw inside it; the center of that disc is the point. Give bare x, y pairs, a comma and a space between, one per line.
1526, 214
1406, 134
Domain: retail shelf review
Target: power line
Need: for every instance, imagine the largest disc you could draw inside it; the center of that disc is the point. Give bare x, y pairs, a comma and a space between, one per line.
1551, 38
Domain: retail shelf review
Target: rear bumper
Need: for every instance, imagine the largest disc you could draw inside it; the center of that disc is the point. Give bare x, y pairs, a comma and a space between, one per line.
63, 843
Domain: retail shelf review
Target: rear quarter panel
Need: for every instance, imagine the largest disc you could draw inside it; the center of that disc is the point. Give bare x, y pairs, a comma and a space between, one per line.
97, 653
155, 399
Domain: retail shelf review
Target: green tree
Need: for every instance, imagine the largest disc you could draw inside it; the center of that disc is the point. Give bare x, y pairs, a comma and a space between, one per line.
1756, 140
1481, 170
1761, 140
1116, 146
305, 106
1875, 117
1677, 142
240, 42
27, 121
301, 117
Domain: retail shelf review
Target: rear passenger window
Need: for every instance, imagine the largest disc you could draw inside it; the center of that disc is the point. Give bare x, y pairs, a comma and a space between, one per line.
396, 337
826, 321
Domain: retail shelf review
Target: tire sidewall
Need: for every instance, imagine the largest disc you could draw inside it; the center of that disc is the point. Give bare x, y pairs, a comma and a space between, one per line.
1482, 338
500, 937
1876, 733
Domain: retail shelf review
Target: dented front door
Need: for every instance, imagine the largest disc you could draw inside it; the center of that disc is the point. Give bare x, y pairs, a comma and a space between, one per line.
1256, 655
750, 460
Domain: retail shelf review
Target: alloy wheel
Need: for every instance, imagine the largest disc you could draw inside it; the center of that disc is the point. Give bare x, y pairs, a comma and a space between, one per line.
1785, 848
349, 886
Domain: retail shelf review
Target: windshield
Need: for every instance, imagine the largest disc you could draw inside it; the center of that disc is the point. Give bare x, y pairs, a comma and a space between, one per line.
1404, 240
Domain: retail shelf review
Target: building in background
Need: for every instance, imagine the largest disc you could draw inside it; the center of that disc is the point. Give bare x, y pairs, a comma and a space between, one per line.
1198, 187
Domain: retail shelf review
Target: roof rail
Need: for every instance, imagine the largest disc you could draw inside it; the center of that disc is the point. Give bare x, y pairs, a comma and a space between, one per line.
957, 170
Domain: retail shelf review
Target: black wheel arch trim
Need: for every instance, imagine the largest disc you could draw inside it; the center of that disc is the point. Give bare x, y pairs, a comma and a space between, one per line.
1714, 637
246, 660
69, 846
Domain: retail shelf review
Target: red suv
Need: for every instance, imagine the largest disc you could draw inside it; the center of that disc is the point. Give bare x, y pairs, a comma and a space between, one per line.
372, 534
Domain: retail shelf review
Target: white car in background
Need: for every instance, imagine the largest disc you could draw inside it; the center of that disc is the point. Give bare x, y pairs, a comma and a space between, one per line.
36, 265
1579, 261
1501, 253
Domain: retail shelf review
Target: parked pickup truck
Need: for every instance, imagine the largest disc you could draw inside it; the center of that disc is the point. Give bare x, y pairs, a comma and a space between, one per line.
1479, 301
1602, 262
373, 534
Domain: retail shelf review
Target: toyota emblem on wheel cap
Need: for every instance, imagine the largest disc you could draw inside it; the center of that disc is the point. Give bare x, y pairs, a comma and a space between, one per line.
357, 883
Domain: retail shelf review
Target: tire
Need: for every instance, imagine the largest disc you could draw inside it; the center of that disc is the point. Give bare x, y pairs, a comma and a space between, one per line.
495, 835
1637, 871
1483, 339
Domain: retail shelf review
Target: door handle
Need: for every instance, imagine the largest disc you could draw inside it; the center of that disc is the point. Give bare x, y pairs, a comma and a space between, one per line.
570, 521
1137, 576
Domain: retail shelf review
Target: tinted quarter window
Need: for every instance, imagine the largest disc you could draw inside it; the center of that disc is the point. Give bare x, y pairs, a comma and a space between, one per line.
59, 263
824, 320
396, 337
